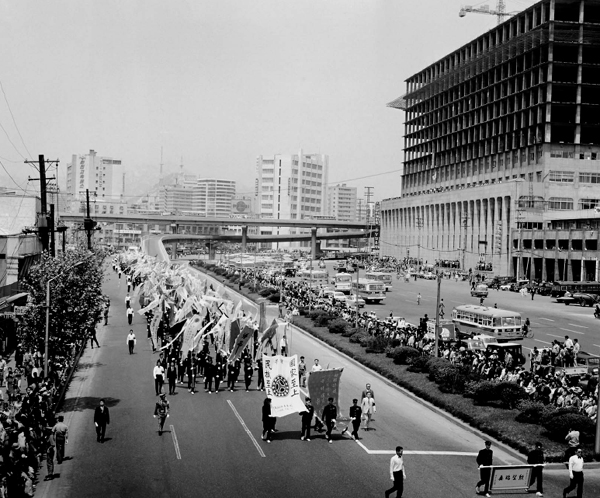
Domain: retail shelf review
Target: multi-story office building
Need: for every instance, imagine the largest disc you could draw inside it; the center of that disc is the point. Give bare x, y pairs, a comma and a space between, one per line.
102, 176
501, 149
212, 197
342, 202
291, 187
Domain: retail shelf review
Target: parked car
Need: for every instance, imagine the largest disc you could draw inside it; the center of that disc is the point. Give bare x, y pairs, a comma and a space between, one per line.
338, 296
586, 366
586, 299
566, 299
427, 275
352, 299
506, 287
518, 285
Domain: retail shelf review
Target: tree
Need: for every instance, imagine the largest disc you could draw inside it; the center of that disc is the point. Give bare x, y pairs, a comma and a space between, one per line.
76, 301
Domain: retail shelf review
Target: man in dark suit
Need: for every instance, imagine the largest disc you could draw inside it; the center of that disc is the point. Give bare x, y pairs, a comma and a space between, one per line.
101, 420
536, 457
484, 461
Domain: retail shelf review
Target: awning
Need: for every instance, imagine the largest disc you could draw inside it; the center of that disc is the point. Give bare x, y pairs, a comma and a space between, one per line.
19, 299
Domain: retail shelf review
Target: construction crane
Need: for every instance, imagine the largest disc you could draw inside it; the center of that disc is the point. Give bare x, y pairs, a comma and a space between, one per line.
500, 11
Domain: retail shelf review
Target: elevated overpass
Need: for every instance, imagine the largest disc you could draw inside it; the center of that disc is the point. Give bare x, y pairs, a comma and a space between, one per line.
354, 229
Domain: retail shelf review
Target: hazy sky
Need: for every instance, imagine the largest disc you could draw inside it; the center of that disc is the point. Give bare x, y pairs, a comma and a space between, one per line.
218, 82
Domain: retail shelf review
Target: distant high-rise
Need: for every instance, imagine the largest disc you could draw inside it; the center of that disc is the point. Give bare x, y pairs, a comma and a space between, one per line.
201, 196
291, 187
102, 176
342, 202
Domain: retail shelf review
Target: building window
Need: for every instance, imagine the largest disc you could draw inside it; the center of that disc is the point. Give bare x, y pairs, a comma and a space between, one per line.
588, 203
560, 203
589, 177
562, 176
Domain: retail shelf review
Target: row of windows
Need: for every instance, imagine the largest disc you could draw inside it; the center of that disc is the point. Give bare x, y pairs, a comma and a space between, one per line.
566, 203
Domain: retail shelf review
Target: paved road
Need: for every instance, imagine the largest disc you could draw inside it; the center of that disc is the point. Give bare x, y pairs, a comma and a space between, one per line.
214, 448
550, 320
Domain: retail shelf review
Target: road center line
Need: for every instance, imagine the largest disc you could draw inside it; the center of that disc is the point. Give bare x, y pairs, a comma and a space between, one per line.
174, 436
574, 331
543, 342
260, 451
552, 335
578, 326
547, 319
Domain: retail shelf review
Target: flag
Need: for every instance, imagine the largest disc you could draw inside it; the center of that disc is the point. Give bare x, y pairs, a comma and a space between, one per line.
189, 332
150, 306
266, 338
233, 333
154, 326
322, 386
282, 385
241, 342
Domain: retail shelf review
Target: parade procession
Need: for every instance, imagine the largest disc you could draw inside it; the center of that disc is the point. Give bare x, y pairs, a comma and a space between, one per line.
201, 332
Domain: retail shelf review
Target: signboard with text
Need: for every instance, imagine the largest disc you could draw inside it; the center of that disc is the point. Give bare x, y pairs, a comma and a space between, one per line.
506, 477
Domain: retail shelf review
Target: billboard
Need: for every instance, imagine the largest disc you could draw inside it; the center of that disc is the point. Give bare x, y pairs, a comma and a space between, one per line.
241, 205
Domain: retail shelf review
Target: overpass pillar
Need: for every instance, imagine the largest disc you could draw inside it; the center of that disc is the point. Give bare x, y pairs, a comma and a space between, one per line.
244, 237
313, 242
211, 250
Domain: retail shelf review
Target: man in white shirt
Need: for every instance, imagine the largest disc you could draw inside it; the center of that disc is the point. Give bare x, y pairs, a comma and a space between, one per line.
131, 341
316, 367
568, 342
575, 474
397, 473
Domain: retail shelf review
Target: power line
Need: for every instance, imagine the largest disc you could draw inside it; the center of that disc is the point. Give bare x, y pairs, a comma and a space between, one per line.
10, 176
13, 118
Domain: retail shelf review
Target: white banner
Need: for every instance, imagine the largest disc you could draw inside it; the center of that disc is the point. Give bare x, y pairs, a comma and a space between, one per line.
282, 385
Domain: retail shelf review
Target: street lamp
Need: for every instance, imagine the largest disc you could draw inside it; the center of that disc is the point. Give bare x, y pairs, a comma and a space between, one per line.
48, 314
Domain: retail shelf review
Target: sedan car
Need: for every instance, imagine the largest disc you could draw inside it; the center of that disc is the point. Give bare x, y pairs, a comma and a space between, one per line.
505, 287
428, 275
585, 299
352, 299
567, 299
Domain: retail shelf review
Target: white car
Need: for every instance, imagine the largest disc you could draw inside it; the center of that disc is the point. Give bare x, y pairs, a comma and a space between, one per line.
338, 296
505, 287
429, 276
352, 299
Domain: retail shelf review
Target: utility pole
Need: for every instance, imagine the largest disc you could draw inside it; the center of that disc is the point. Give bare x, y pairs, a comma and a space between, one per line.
88, 224
419, 222
42, 224
368, 195
465, 224
437, 316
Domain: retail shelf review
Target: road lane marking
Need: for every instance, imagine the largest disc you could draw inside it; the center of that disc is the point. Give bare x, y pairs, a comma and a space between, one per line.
543, 342
578, 326
260, 451
174, 436
598, 346
535, 323
547, 319
574, 331
552, 335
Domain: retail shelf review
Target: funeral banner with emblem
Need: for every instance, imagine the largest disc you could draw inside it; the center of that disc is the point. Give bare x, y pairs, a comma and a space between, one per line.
282, 385
322, 386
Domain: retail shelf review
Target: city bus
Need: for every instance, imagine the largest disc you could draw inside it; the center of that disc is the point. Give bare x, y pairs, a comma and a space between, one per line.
381, 276
371, 291
343, 282
561, 287
315, 276
503, 324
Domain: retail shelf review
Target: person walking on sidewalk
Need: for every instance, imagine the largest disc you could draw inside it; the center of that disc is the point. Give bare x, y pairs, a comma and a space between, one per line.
575, 474
129, 313
93, 338
101, 420
484, 461
368, 408
131, 341
419, 298
50, 452
61, 437
397, 473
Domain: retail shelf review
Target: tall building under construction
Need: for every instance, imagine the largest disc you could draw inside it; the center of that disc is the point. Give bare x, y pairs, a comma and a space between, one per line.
502, 150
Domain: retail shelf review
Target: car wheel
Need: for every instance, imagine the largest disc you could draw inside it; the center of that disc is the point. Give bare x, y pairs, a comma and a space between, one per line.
567, 304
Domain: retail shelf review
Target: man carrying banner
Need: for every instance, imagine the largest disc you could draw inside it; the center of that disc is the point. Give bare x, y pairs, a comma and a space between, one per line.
248, 372
307, 416
267, 420
329, 416
355, 416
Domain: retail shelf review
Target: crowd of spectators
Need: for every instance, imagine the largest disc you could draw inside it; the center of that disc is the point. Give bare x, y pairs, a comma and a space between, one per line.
543, 377
26, 421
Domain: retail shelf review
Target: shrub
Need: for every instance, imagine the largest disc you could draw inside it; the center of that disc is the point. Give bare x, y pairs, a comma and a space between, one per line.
532, 412
434, 364
418, 364
323, 319
405, 355
349, 332
358, 337
485, 392
375, 344
274, 298
558, 425
266, 292
338, 326
451, 378
509, 394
